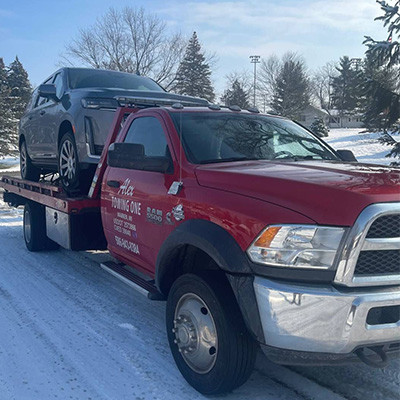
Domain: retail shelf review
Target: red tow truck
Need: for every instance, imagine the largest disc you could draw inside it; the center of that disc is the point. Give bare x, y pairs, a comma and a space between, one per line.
254, 231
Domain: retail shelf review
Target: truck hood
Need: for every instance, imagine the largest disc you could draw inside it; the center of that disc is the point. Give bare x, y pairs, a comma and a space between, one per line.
329, 192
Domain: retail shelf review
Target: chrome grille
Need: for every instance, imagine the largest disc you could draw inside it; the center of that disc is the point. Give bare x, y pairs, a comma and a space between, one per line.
379, 262
385, 227
371, 253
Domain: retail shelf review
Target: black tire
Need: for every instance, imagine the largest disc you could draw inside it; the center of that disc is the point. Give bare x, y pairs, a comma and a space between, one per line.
28, 170
234, 351
34, 226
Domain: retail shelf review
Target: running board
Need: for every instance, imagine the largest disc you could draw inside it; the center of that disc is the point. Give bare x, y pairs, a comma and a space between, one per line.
123, 273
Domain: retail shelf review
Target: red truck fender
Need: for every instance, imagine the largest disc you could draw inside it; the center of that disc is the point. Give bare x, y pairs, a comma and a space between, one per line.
211, 239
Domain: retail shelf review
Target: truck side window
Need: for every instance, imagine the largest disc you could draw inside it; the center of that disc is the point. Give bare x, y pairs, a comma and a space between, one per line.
148, 132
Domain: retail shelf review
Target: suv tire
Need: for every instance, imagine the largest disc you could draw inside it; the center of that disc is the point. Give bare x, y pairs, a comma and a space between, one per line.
204, 305
74, 179
28, 170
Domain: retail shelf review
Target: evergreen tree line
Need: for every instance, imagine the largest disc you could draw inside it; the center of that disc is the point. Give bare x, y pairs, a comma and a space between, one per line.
15, 92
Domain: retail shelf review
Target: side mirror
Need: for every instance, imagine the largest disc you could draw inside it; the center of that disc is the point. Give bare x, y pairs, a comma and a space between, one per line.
131, 156
48, 91
346, 155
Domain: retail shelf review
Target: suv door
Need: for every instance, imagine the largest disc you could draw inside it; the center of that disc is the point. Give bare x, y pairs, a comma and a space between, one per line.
33, 133
49, 111
138, 212
26, 124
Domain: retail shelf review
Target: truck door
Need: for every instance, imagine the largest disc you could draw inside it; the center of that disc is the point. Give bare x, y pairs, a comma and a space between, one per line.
137, 205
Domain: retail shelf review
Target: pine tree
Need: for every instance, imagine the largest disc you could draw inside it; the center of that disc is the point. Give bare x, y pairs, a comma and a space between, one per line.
7, 122
382, 105
20, 87
319, 128
236, 95
291, 92
193, 75
383, 86
346, 88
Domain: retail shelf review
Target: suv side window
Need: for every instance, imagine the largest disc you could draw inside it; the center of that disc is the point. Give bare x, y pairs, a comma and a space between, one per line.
42, 100
148, 132
32, 101
58, 82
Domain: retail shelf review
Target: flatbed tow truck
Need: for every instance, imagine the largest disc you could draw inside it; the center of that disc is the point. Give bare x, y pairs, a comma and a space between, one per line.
299, 256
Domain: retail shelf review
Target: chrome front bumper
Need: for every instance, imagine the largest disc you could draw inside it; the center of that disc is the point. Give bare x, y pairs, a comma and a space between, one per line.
312, 318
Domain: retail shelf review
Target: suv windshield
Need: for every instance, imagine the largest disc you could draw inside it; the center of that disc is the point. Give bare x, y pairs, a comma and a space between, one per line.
87, 78
219, 137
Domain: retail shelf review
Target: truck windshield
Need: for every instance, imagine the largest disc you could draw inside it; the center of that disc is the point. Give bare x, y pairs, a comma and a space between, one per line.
219, 137
92, 78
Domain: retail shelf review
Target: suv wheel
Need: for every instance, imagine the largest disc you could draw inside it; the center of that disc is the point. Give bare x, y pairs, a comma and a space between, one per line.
28, 170
68, 166
207, 335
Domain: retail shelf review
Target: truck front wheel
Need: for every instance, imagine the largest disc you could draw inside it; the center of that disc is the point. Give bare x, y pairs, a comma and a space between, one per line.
207, 336
35, 228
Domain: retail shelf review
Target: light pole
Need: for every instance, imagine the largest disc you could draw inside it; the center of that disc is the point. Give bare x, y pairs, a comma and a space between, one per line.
255, 60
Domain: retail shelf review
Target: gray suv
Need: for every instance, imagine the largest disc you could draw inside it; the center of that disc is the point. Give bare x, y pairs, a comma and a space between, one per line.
68, 118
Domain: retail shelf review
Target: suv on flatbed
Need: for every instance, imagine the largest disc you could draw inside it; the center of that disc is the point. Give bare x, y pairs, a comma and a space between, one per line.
68, 119
254, 230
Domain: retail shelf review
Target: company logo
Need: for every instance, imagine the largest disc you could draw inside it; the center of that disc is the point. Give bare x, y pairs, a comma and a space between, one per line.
155, 216
126, 189
178, 212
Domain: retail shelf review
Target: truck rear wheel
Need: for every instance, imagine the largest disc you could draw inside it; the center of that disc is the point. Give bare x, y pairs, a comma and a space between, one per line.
35, 228
207, 335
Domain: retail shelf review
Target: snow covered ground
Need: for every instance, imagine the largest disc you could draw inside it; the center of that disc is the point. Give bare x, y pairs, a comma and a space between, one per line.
69, 330
365, 146
9, 164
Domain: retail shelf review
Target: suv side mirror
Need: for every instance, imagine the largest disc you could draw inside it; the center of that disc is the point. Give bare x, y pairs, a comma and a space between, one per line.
347, 155
48, 91
131, 156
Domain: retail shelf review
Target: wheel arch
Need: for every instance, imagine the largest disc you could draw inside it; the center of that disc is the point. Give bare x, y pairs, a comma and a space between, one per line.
65, 126
206, 238
199, 245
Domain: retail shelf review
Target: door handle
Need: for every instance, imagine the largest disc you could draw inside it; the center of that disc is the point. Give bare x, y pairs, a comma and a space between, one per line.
114, 184
42, 112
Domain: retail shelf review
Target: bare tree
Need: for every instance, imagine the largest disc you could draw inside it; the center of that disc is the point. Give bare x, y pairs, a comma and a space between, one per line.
268, 73
129, 40
321, 83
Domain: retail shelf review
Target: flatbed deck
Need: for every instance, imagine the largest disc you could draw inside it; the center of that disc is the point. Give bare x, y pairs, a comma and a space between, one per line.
18, 190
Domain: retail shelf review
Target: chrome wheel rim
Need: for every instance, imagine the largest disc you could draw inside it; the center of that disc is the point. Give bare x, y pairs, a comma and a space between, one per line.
27, 226
195, 333
67, 161
23, 160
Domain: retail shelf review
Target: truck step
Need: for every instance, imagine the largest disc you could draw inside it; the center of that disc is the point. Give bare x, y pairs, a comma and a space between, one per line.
125, 274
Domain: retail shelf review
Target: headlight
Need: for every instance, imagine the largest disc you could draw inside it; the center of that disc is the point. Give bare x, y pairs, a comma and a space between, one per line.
298, 246
97, 103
